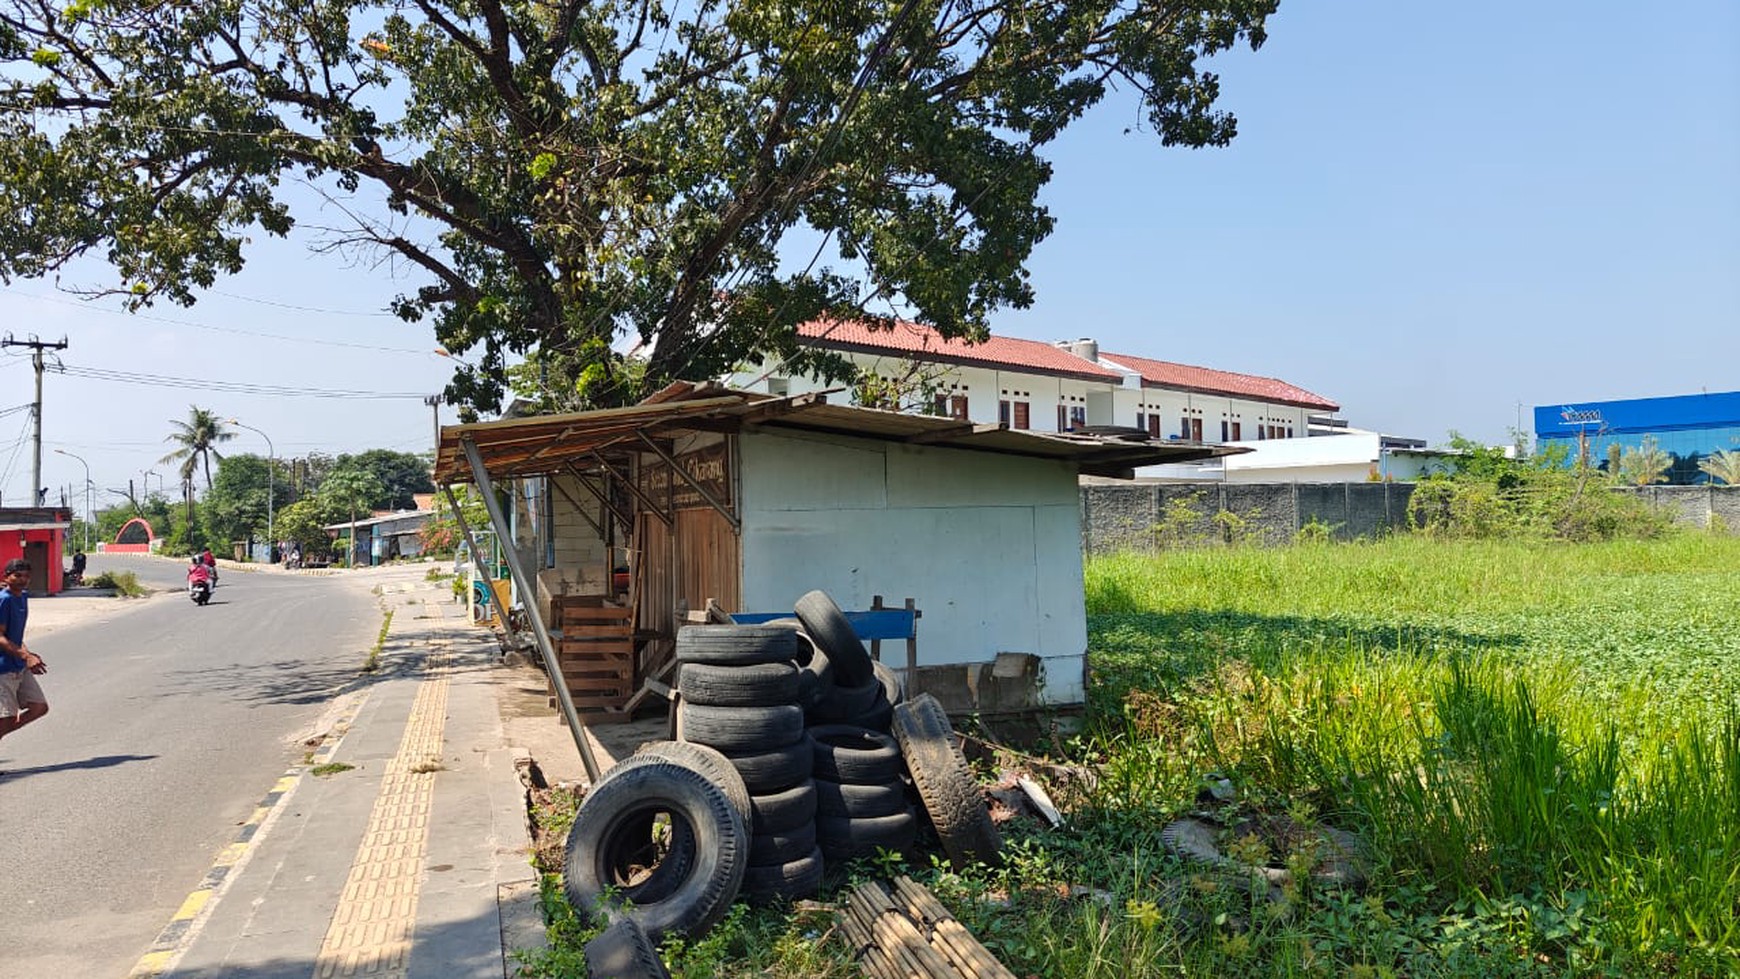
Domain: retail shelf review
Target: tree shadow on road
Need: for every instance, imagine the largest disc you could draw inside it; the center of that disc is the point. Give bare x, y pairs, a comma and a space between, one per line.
297, 681
100, 761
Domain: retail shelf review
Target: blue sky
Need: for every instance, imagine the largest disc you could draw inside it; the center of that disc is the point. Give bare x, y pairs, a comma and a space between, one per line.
1433, 214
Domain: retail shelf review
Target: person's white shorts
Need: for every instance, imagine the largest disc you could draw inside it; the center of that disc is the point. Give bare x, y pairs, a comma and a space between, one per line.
17, 689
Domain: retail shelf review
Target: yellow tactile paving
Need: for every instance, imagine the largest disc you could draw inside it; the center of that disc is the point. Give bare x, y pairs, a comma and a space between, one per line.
372, 928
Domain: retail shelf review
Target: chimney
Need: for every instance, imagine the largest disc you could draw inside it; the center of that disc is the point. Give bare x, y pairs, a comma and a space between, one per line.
1087, 348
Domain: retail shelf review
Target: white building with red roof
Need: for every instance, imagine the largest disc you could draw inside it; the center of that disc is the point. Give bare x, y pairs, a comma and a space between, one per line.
1054, 387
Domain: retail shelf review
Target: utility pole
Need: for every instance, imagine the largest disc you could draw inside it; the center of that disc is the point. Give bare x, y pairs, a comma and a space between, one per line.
36, 348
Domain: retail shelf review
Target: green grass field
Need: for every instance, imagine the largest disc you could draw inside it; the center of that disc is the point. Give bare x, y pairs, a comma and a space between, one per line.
1537, 743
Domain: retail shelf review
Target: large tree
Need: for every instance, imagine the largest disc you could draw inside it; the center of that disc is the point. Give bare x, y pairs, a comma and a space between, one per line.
348, 491
402, 475
566, 174
244, 497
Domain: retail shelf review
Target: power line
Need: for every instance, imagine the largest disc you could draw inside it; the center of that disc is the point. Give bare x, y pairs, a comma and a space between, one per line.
221, 329
36, 346
234, 387
300, 309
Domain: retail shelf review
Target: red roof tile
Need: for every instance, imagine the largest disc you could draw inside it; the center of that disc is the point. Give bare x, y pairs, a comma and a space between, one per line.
908, 339
1161, 373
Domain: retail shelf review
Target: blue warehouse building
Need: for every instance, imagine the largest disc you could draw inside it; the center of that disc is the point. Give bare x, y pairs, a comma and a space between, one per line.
1689, 427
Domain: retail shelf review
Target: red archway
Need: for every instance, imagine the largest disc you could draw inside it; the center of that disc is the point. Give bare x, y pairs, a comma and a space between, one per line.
134, 537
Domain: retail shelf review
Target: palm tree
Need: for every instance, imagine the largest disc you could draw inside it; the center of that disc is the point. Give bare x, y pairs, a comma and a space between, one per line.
1723, 465
197, 438
186, 472
1645, 464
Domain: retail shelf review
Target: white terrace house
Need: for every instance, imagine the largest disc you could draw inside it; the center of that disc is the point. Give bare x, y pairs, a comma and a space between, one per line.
1055, 387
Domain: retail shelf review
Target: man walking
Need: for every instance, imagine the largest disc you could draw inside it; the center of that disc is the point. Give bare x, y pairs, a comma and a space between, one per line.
21, 699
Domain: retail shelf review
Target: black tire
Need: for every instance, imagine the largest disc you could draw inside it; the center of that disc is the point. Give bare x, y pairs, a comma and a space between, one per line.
832, 633
718, 844
847, 839
946, 785
741, 729
623, 951
815, 671
800, 878
893, 688
768, 849
849, 753
880, 717
754, 685
837, 704
709, 762
782, 812
736, 645
815, 677
765, 772
859, 801
636, 844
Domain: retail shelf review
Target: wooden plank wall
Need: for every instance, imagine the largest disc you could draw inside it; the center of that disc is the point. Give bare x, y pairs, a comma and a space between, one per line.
708, 560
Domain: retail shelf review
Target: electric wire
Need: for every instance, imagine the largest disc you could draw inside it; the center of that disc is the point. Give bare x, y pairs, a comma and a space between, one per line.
11, 460
300, 309
218, 329
233, 387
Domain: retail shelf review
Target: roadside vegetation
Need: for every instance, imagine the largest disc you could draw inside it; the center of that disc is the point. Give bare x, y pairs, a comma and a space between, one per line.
1526, 709
125, 583
1536, 741
372, 664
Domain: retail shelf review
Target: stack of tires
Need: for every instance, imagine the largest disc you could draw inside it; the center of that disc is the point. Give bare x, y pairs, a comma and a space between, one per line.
861, 796
848, 687
738, 691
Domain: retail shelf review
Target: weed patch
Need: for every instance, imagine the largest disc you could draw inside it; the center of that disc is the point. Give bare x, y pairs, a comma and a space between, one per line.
124, 582
373, 662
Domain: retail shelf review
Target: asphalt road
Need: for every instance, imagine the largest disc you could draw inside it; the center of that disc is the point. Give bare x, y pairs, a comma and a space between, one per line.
167, 726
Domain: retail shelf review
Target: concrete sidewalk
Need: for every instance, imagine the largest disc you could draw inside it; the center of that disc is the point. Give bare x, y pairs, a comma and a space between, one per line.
406, 855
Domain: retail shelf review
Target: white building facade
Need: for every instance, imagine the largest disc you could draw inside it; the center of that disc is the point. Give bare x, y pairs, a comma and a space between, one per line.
1057, 387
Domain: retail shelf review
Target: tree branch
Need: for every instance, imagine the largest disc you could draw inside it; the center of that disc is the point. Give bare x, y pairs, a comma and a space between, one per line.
494, 59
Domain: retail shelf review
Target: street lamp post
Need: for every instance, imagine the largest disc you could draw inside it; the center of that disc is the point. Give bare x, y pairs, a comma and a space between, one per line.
90, 518
271, 483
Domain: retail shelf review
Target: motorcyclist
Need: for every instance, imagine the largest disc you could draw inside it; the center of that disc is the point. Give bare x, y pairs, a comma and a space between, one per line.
210, 561
198, 571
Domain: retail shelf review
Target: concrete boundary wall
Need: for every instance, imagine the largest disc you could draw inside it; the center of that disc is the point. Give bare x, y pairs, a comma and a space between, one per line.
1696, 506
1119, 515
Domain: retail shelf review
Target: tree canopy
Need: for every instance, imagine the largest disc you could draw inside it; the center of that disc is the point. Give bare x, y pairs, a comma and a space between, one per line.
400, 476
563, 176
235, 508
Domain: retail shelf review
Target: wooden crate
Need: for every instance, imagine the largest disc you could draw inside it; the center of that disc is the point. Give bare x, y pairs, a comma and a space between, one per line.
595, 651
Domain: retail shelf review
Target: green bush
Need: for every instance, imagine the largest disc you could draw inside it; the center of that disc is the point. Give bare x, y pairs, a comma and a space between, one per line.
125, 582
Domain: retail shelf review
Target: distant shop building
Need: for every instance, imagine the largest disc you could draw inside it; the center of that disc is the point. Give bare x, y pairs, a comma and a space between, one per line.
1688, 427
37, 534
384, 537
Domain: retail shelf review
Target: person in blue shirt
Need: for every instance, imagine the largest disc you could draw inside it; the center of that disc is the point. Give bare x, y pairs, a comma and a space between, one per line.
21, 699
